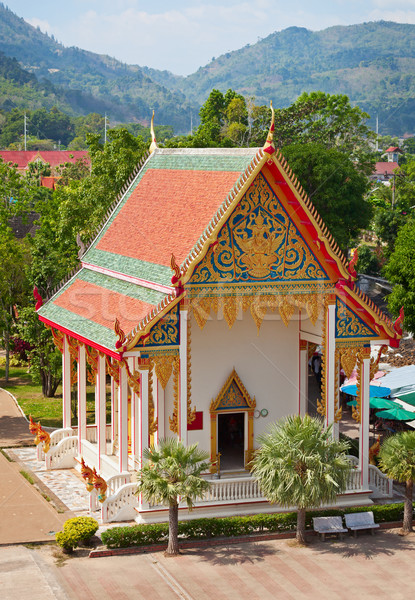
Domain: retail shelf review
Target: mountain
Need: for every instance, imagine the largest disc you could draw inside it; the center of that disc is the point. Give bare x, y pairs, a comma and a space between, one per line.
124, 91
373, 63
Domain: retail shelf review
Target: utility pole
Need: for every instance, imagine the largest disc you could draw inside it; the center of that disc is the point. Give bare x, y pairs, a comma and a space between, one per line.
105, 128
25, 132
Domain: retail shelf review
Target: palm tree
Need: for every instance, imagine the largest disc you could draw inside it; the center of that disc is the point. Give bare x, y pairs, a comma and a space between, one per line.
173, 471
397, 460
299, 463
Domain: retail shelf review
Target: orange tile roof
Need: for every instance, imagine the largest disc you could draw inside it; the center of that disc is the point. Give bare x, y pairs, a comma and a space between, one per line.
166, 214
102, 305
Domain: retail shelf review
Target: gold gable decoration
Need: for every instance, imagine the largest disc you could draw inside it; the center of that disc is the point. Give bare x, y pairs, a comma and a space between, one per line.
236, 391
259, 243
258, 304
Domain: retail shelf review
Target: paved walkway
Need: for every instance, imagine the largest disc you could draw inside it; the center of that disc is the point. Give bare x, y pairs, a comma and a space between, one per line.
25, 516
371, 568
14, 429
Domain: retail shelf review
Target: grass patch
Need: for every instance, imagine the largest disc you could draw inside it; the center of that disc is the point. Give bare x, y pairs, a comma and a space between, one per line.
27, 476
46, 410
6, 456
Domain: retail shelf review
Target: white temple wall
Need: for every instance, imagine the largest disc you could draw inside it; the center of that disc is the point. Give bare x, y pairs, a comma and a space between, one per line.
267, 365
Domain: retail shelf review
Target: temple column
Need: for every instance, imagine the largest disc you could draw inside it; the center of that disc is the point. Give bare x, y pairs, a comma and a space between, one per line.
114, 412
81, 397
100, 408
122, 420
303, 378
66, 384
364, 395
182, 416
329, 371
143, 436
134, 410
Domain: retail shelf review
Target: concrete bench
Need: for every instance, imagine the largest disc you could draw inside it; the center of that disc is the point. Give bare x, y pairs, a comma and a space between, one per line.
324, 525
363, 520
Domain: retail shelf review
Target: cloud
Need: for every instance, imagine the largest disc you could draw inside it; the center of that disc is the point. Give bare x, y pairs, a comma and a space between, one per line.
43, 25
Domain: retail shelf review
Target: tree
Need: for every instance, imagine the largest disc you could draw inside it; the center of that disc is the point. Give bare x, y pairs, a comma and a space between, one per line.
335, 186
13, 285
400, 270
397, 460
173, 470
299, 463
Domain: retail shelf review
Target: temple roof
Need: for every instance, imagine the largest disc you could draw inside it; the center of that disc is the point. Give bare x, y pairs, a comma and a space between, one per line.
179, 203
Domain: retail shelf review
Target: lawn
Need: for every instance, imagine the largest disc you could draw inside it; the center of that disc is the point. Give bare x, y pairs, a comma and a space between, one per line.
46, 410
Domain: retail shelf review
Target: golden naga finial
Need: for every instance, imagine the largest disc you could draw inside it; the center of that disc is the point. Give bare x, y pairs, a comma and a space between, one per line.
269, 144
153, 144
120, 333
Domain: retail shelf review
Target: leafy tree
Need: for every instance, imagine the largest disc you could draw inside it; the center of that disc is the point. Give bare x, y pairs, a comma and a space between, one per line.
400, 270
299, 464
368, 262
397, 460
335, 186
172, 471
13, 285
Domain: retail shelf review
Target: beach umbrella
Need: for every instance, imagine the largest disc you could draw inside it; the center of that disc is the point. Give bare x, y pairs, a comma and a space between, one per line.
396, 414
379, 403
374, 390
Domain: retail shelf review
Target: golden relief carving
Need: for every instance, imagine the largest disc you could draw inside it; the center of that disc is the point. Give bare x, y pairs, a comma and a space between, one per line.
322, 404
163, 366
191, 412
259, 242
57, 337
174, 419
348, 357
348, 324
92, 361
232, 395
73, 347
258, 305
357, 410
152, 422
113, 369
338, 411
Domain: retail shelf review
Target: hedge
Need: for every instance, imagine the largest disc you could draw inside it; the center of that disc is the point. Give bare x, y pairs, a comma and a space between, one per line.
199, 529
75, 531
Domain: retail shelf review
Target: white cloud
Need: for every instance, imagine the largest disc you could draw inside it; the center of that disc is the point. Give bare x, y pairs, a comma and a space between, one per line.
43, 25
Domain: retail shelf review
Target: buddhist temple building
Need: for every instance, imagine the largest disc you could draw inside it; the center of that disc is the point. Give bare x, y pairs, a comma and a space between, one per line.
194, 314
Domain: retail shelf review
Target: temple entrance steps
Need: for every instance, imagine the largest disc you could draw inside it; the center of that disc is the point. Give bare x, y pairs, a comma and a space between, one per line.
62, 456
379, 483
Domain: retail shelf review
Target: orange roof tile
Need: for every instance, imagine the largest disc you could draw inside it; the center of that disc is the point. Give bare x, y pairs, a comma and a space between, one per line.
167, 213
102, 305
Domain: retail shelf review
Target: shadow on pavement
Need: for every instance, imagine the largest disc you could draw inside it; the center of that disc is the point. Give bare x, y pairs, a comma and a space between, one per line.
233, 554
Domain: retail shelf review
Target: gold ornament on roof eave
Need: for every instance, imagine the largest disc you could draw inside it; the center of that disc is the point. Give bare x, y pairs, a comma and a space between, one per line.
153, 144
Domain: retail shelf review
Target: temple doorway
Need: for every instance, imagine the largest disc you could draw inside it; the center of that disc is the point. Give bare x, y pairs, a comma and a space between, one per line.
231, 440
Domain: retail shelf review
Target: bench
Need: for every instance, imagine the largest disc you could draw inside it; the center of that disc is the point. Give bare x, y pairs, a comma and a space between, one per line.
362, 520
323, 525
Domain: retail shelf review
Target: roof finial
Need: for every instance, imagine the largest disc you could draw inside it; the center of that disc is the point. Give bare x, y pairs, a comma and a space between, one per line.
153, 144
269, 144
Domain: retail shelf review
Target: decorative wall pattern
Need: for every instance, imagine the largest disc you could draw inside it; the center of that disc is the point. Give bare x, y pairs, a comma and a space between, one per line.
259, 243
349, 325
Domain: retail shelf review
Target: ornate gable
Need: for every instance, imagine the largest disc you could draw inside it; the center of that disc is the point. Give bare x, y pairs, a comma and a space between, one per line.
233, 396
349, 325
259, 244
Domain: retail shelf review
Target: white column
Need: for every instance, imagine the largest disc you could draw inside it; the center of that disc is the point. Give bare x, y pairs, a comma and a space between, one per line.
114, 412
101, 409
81, 397
330, 353
143, 438
134, 412
303, 378
123, 420
182, 416
66, 384
364, 418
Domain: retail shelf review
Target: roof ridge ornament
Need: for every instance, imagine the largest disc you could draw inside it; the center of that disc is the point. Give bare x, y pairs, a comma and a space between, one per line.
153, 144
269, 144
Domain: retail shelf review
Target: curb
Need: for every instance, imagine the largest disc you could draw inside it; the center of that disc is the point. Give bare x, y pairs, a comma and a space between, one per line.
215, 542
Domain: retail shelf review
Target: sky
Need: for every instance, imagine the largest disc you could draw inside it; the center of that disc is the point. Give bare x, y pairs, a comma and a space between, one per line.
183, 35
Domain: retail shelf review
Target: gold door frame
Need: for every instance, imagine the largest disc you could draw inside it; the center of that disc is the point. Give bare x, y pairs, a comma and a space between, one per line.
225, 401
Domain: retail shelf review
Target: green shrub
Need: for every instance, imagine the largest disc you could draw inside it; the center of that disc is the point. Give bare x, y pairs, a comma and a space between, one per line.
76, 530
199, 529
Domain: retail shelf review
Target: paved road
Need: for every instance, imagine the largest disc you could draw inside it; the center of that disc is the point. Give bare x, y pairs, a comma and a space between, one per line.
378, 567
14, 429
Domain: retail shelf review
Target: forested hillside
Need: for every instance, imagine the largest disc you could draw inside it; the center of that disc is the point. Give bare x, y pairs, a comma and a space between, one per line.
373, 63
